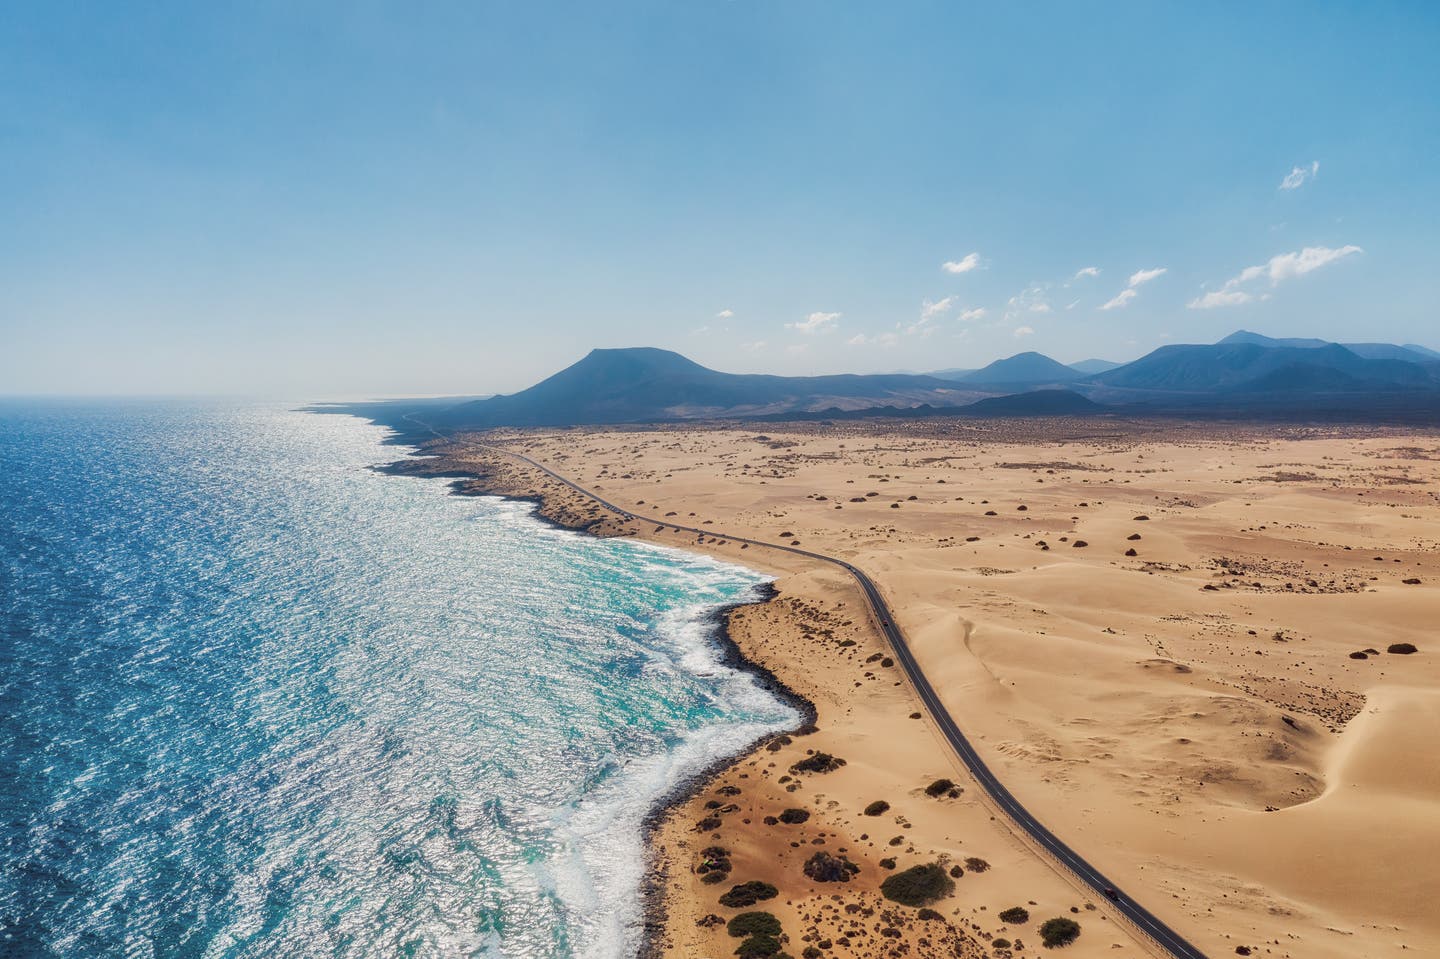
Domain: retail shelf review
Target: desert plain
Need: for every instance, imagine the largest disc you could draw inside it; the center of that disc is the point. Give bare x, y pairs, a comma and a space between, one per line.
1184, 646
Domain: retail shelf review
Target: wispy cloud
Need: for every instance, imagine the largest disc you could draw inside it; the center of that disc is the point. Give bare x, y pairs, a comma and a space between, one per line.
1221, 298
879, 339
1121, 299
724, 314
1138, 278
1086, 271
1298, 176
971, 261
815, 323
970, 316
1278, 268
1023, 331
753, 347
1032, 299
931, 309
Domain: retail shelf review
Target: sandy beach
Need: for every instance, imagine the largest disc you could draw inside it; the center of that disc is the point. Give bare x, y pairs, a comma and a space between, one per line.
1181, 646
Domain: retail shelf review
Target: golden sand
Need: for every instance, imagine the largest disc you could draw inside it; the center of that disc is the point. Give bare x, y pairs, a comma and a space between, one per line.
1149, 631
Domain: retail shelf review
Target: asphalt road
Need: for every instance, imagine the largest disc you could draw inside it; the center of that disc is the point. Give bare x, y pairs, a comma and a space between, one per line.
1165, 937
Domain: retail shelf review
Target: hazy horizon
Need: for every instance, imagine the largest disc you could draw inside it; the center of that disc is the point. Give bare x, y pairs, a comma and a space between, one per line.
332, 202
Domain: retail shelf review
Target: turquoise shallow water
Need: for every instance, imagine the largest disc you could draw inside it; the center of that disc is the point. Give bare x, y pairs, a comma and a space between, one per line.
259, 700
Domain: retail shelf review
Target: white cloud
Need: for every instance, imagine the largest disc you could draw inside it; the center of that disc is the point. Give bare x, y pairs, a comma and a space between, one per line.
1282, 266
1220, 298
929, 309
1138, 278
724, 314
1086, 271
1286, 265
1023, 331
1121, 299
1297, 176
971, 261
1032, 299
880, 339
815, 323
970, 316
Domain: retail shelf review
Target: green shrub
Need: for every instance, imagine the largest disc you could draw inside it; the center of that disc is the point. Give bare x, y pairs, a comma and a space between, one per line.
794, 817
1015, 915
876, 808
976, 864
823, 867
818, 763
1059, 932
753, 924
939, 788
918, 885
748, 894
1000, 943
1401, 649
759, 946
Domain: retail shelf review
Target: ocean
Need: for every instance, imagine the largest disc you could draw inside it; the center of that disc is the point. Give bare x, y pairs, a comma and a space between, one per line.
262, 700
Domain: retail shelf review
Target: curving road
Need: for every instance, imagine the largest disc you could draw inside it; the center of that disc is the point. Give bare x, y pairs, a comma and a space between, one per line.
1155, 930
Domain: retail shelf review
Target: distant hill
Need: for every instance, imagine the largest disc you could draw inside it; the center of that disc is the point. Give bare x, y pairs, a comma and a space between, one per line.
1034, 403
1091, 367
1369, 351
1245, 366
1259, 339
1022, 369
643, 384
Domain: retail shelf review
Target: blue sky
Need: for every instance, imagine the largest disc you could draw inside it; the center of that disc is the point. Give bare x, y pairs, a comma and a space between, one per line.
355, 199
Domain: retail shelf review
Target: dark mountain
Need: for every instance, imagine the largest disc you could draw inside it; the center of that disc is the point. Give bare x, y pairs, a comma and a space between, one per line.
645, 385
952, 374
1369, 351
1034, 403
1259, 339
1091, 367
1230, 367
1022, 369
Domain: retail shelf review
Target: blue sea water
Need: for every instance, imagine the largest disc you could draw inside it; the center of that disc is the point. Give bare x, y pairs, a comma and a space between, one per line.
257, 699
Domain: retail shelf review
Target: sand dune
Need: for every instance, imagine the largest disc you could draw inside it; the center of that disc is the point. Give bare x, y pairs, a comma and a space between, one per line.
1170, 641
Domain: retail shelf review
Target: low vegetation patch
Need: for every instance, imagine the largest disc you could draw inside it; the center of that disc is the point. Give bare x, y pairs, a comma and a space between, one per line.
818, 763
1058, 932
918, 885
753, 924
1401, 649
941, 787
748, 894
876, 808
823, 867
714, 865
794, 817
759, 947
1015, 916
976, 864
